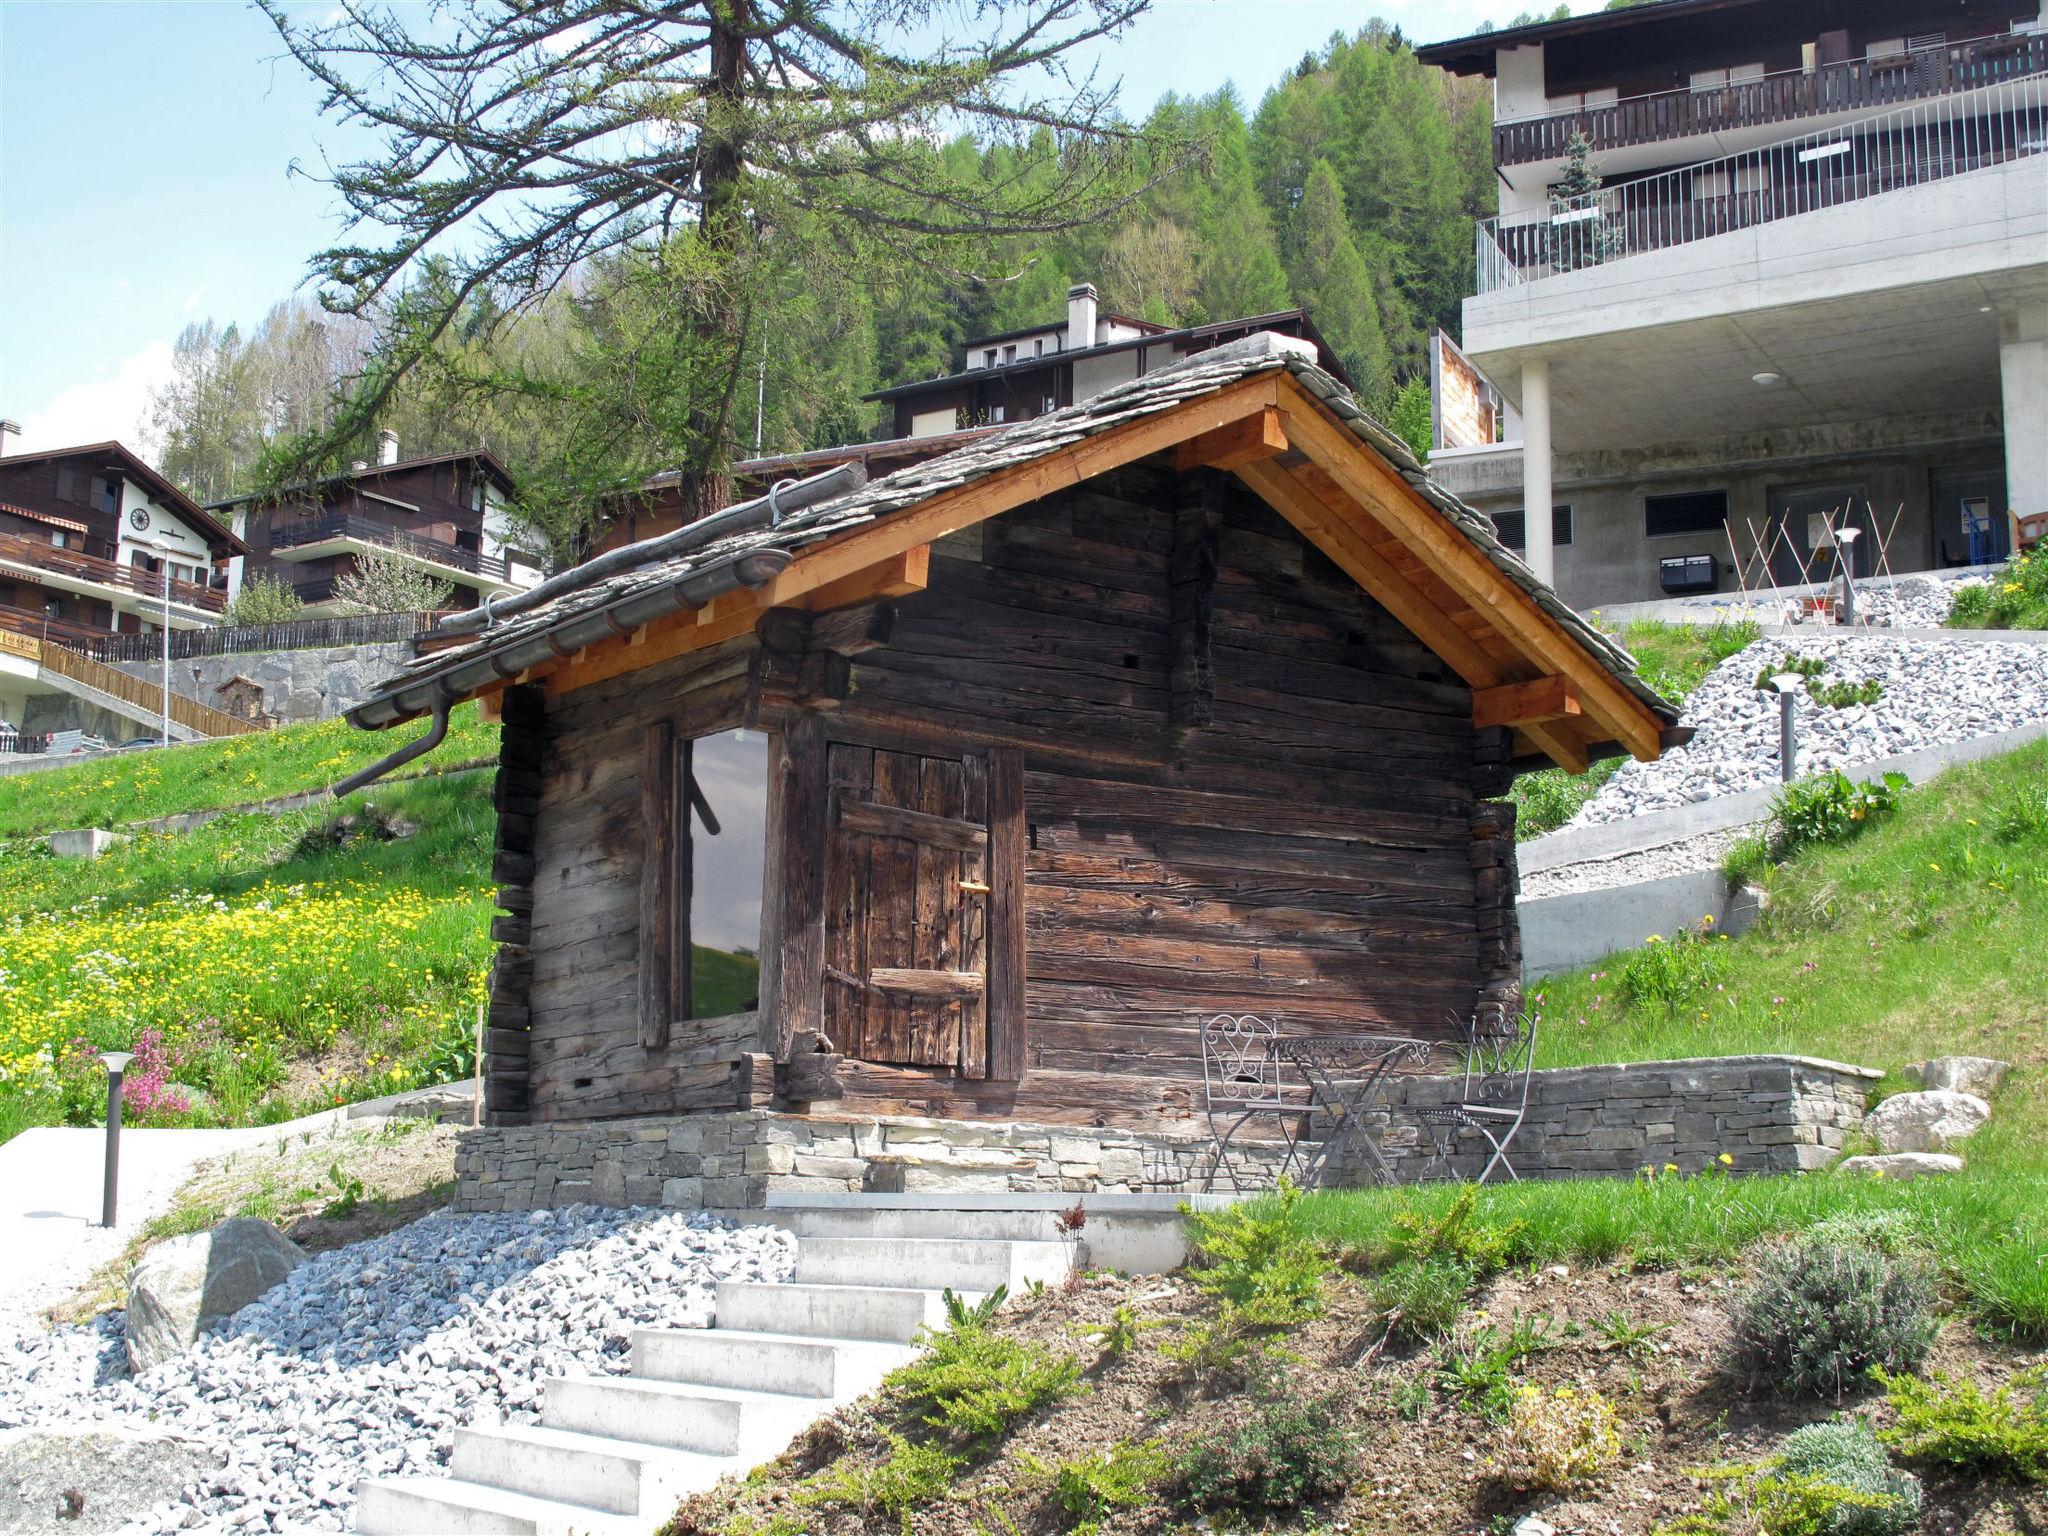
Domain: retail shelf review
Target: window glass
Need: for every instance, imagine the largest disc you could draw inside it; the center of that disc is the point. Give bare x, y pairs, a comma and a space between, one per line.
728, 856
1688, 512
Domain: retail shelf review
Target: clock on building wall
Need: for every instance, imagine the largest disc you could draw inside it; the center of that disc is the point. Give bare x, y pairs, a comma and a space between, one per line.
138, 519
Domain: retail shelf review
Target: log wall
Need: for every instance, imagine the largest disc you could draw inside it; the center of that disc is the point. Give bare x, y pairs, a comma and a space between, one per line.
1246, 788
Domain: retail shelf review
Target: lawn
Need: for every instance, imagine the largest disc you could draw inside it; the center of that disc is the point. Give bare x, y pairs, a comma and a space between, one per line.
1673, 659
1921, 937
208, 775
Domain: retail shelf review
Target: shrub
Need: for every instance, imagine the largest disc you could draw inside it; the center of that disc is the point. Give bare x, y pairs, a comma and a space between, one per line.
1561, 1438
912, 1477
1668, 974
1819, 1316
263, 599
2015, 597
1891, 1231
1952, 1421
1283, 1452
1421, 1299
1456, 1234
1093, 1488
1846, 1454
1762, 1499
1827, 808
1256, 1261
976, 1384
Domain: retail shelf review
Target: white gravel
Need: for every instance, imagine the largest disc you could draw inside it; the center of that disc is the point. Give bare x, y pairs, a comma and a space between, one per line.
367, 1358
1936, 692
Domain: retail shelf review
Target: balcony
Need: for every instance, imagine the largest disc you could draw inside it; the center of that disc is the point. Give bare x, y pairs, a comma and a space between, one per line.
1860, 85
332, 533
1909, 147
70, 571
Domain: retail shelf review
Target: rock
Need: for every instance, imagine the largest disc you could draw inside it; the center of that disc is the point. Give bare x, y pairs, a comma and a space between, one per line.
1926, 1122
1903, 1165
1533, 1525
93, 1479
1980, 1075
186, 1285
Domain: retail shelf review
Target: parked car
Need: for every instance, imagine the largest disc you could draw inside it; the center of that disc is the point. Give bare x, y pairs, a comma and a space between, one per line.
134, 743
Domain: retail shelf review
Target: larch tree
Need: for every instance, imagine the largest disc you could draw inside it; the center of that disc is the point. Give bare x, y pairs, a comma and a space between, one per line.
679, 146
1332, 282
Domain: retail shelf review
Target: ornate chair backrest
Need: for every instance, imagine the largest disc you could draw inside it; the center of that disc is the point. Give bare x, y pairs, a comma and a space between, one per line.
1500, 1053
1238, 1064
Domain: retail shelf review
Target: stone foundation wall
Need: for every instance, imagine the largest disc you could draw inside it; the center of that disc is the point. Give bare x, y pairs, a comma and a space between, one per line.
1767, 1114
297, 686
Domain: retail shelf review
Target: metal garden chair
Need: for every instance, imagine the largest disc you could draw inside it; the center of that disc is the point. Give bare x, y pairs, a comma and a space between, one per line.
1242, 1077
1500, 1055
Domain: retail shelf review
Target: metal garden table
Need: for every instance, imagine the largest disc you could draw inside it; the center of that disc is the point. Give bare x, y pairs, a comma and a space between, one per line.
1346, 1075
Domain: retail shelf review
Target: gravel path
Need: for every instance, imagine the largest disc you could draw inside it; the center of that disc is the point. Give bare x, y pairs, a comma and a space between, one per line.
365, 1360
1936, 692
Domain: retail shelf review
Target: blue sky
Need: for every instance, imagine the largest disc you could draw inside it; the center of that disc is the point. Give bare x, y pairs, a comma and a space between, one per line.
146, 147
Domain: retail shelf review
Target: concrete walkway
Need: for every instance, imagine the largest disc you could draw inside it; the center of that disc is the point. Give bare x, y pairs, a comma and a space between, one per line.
51, 1241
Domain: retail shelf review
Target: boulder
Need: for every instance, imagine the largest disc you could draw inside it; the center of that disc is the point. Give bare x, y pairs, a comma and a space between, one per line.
185, 1286
1903, 1165
1926, 1122
1980, 1075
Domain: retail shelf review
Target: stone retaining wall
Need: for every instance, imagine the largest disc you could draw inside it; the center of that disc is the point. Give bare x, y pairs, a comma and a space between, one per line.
297, 686
1767, 1114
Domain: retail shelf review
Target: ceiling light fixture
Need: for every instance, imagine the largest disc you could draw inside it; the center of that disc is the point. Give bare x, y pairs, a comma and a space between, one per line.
1767, 380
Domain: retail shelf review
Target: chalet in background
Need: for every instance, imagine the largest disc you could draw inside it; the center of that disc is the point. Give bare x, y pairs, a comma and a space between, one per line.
969, 791
445, 514
1814, 282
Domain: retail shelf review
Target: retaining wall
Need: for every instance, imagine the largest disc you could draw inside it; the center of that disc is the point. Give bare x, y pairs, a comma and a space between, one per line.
297, 685
1768, 1114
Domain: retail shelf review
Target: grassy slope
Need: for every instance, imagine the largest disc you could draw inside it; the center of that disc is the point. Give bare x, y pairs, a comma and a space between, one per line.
1673, 659
2016, 597
208, 775
1922, 938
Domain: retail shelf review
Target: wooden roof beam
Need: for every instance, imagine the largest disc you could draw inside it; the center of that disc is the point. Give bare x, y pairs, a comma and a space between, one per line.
1521, 704
901, 574
1381, 493
1243, 442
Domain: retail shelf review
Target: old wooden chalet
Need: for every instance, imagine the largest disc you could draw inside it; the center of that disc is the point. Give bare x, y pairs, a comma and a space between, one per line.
969, 791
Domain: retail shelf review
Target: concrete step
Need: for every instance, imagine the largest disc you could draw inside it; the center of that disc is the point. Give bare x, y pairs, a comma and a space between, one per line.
441, 1506
868, 1313
622, 1477
957, 1263
1001, 1226
714, 1421
836, 1369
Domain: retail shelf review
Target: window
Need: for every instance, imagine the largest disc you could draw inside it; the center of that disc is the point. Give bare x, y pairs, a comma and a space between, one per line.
59, 539
988, 358
1038, 347
1885, 48
67, 483
1734, 74
1688, 512
706, 805
1513, 530
995, 413
1010, 353
53, 607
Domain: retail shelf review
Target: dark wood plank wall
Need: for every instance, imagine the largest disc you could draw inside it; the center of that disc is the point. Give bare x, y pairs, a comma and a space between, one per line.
1315, 848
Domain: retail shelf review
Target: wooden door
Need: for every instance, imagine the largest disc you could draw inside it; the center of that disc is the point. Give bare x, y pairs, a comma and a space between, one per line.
906, 893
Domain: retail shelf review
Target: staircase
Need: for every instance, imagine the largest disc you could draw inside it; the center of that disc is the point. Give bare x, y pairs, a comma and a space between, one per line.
613, 1455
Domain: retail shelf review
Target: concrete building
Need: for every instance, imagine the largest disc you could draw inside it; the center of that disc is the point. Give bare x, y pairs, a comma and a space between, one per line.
1811, 291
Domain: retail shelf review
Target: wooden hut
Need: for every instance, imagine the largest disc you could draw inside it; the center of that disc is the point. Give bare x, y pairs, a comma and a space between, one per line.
970, 791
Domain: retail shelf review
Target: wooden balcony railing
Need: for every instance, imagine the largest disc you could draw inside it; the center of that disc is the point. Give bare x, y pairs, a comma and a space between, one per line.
351, 525
24, 622
1780, 98
106, 573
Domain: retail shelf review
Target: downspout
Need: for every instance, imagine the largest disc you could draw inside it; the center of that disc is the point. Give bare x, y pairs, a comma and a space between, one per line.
405, 754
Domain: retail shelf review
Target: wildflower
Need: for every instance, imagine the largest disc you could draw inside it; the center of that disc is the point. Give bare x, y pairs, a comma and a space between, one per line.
1725, 1160
1671, 1167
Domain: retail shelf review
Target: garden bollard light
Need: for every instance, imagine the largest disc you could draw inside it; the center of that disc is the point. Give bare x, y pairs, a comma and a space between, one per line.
1788, 685
116, 1062
1848, 537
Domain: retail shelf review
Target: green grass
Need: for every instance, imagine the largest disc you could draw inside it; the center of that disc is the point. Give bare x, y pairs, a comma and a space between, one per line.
1671, 658
2016, 597
1923, 937
208, 775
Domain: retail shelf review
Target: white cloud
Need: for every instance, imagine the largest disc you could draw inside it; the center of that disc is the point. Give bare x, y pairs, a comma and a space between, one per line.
192, 299
112, 407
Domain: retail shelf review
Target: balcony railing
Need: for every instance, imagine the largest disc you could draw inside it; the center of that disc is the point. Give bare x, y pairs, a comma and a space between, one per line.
106, 573
351, 525
1907, 148
80, 637
1856, 85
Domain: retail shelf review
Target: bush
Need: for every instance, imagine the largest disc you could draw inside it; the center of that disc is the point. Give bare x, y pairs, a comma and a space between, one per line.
1891, 1231
1827, 808
264, 599
1255, 1260
1420, 1300
1952, 1421
1457, 1234
1562, 1438
1846, 1455
1283, 1452
913, 1477
1819, 1317
1093, 1488
2014, 598
976, 1384
1669, 974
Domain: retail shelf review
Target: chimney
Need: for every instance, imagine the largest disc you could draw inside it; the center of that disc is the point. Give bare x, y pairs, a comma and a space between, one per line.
387, 447
1080, 316
8, 429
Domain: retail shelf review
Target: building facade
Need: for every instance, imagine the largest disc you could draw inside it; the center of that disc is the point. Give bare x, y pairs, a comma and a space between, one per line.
446, 515
1809, 293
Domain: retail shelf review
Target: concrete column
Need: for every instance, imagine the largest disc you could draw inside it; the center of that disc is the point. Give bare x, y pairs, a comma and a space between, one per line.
1536, 493
2023, 382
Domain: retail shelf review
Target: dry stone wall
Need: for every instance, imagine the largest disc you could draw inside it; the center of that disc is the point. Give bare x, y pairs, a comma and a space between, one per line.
1765, 1114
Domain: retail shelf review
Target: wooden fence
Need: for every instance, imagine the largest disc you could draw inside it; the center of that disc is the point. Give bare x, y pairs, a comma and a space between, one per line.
190, 713
292, 635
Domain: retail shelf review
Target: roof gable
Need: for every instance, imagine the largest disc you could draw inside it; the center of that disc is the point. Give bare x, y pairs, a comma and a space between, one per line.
1258, 409
202, 523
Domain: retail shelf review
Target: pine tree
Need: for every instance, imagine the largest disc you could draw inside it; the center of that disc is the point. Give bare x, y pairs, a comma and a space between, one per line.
1332, 282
